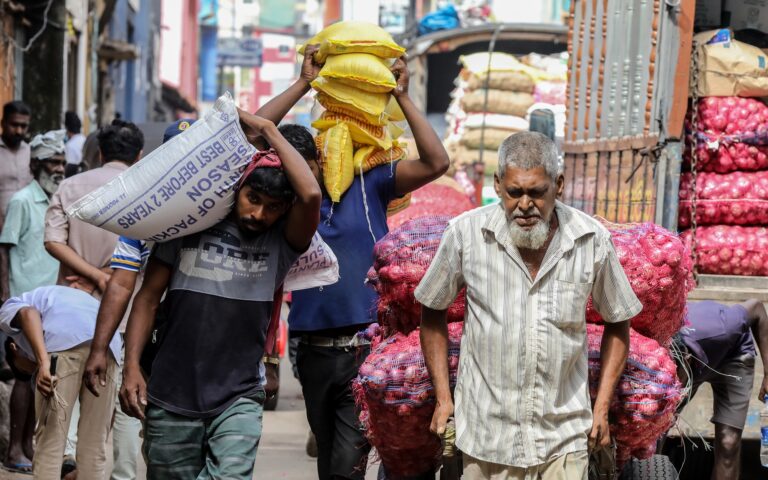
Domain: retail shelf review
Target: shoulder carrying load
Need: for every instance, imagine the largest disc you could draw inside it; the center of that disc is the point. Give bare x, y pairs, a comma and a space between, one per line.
183, 187
360, 70
354, 37
728, 67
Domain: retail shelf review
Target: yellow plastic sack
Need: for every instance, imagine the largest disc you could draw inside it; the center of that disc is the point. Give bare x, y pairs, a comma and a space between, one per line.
354, 37
373, 104
360, 70
398, 204
362, 132
336, 157
392, 112
376, 157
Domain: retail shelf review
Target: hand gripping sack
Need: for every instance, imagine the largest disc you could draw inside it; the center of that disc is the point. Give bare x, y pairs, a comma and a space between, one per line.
360, 70
183, 187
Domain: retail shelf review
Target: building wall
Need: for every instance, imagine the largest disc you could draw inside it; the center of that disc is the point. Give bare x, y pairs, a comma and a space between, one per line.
189, 52
7, 67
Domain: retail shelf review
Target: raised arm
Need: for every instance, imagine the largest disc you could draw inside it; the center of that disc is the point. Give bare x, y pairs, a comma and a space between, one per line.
758, 323
133, 392
111, 312
433, 159
304, 215
277, 108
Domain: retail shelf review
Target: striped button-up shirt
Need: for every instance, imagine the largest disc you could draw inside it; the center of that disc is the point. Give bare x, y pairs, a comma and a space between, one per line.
522, 397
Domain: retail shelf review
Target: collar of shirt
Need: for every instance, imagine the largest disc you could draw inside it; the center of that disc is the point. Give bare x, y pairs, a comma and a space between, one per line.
38, 194
571, 228
116, 164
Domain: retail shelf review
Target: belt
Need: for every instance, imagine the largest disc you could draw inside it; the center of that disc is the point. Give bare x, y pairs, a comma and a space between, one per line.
333, 342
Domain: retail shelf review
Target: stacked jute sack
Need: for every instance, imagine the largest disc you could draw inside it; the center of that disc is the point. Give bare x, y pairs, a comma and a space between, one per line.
514, 88
358, 129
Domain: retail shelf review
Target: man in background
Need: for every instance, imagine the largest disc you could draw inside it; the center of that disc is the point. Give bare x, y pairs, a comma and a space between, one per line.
14, 174
84, 250
75, 142
719, 349
24, 266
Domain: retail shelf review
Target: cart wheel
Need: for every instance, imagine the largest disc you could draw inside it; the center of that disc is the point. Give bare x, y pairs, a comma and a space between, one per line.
658, 467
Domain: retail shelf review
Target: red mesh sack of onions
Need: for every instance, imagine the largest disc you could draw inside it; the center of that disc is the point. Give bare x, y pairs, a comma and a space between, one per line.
658, 266
739, 198
396, 399
432, 199
725, 158
401, 259
733, 120
731, 250
646, 398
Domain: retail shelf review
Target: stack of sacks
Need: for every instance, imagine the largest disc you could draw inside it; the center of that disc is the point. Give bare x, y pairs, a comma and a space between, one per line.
731, 186
513, 88
646, 398
400, 260
732, 157
357, 129
658, 266
396, 399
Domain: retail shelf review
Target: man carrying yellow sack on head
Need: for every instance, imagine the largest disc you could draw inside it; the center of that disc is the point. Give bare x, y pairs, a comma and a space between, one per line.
327, 319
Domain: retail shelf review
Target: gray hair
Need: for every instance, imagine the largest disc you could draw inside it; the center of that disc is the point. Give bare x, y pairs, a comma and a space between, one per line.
527, 150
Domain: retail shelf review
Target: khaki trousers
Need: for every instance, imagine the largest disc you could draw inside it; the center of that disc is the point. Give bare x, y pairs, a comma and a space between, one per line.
571, 466
55, 413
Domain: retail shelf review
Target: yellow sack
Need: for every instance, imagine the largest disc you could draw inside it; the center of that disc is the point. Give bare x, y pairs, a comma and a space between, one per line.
398, 204
373, 104
354, 37
362, 132
336, 158
371, 157
392, 112
360, 70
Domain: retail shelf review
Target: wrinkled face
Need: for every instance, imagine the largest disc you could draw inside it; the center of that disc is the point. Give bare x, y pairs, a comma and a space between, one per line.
528, 198
257, 212
54, 166
15, 128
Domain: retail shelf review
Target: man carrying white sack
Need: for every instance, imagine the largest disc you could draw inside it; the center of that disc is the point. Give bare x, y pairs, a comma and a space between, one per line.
202, 406
529, 265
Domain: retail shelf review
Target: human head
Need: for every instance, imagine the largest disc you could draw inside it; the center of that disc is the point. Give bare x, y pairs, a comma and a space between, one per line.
15, 123
122, 141
300, 139
48, 160
264, 194
72, 123
177, 127
528, 182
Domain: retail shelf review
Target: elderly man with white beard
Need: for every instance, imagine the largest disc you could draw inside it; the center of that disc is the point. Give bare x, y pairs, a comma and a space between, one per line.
529, 264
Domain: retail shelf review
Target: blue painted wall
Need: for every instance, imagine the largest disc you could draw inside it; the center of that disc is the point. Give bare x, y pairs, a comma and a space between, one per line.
132, 81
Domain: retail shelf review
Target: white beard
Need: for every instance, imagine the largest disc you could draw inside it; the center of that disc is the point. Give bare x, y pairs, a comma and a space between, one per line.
49, 183
532, 239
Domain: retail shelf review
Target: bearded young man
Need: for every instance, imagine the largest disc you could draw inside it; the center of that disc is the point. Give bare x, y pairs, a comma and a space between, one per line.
529, 264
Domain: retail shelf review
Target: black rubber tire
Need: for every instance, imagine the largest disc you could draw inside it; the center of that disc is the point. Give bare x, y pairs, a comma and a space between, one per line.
658, 467
270, 404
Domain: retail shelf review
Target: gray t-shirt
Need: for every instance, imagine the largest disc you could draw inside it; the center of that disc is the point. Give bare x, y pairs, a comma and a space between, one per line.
218, 304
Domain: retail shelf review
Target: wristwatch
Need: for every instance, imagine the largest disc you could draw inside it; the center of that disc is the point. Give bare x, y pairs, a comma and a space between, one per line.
271, 360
